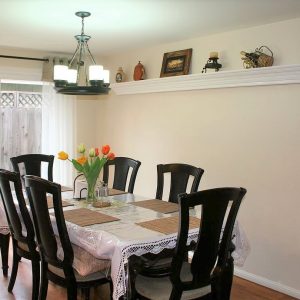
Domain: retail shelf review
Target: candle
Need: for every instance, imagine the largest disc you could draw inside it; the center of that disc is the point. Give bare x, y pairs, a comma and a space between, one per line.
213, 55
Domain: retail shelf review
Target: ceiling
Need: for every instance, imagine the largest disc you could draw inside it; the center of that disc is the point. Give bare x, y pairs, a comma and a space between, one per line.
118, 25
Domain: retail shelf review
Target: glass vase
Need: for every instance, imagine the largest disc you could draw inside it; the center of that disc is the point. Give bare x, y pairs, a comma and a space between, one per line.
91, 185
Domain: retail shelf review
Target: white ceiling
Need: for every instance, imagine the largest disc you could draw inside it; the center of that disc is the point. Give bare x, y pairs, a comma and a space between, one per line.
118, 25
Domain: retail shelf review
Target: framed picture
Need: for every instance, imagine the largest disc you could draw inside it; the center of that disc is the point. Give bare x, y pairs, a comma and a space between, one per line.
176, 63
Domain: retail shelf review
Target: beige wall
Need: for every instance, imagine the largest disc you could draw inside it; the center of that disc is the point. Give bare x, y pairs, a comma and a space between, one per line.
241, 136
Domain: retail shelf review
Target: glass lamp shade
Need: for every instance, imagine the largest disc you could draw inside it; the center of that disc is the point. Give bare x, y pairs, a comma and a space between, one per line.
60, 72
72, 76
96, 72
106, 76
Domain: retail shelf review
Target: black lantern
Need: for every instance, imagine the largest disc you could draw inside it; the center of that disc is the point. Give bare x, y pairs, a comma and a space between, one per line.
212, 62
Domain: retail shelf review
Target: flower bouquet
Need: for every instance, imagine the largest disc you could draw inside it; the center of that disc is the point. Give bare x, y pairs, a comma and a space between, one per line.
90, 166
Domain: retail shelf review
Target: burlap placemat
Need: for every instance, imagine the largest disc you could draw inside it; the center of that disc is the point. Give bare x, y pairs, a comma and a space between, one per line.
158, 205
85, 217
113, 192
64, 203
50, 202
168, 225
66, 188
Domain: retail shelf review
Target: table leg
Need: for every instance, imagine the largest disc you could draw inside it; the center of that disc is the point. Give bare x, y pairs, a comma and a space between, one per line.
4, 244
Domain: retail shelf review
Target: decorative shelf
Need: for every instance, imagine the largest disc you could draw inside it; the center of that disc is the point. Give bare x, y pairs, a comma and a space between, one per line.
288, 74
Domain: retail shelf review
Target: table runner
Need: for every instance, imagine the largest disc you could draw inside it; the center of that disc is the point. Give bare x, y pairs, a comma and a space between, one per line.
85, 217
158, 205
168, 225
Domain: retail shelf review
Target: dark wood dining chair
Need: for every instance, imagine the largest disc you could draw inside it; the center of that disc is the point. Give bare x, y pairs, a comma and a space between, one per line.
122, 166
33, 164
180, 174
59, 271
209, 273
21, 228
4, 246
159, 265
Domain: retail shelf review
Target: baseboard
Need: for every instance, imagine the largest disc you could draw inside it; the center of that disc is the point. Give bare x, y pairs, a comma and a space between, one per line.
267, 283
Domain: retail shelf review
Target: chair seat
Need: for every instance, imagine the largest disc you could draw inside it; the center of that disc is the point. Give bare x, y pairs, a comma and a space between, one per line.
80, 279
155, 267
160, 288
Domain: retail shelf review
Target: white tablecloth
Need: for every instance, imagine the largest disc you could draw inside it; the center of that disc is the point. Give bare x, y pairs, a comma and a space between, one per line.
119, 240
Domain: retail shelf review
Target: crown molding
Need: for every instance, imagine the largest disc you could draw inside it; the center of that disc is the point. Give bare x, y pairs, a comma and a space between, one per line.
289, 74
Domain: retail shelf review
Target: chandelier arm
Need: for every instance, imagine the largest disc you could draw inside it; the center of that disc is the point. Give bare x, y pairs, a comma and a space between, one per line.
90, 54
81, 48
85, 70
74, 55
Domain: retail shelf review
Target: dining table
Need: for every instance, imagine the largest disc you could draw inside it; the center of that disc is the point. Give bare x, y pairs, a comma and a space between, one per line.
140, 225
104, 238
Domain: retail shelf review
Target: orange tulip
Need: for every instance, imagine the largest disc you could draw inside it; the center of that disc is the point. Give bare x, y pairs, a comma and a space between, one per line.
96, 151
81, 160
105, 149
111, 156
63, 155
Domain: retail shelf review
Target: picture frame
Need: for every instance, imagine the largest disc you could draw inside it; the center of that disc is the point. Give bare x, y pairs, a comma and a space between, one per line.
176, 63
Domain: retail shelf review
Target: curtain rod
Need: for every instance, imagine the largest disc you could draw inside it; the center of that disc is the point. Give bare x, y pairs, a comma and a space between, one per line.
23, 57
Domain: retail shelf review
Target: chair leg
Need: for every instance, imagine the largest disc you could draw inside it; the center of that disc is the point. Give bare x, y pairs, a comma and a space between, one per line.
44, 282
4, 242
86, 293
35, 265
222, 282
111, 289
72, 291
14, 271
227, 280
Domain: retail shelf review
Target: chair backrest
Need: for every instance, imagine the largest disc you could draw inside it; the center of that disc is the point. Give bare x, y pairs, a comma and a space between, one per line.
38, 189
219, 208
16, 216
122, 166
180, 174
33, 164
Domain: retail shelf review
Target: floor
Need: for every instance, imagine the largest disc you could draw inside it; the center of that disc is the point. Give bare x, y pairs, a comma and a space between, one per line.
242, 289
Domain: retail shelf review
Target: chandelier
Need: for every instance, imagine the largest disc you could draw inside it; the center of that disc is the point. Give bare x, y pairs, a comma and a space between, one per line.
81, 75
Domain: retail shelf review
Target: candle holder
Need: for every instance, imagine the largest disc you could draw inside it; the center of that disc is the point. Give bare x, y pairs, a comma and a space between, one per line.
212, 63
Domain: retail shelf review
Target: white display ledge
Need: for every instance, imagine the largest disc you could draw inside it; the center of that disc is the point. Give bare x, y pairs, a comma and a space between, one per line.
223, 79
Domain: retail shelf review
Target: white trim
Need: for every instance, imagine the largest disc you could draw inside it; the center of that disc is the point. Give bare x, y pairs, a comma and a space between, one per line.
289, 74
267, 283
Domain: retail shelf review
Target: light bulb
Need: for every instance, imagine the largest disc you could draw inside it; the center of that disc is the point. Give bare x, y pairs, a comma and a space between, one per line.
106, 76
60, 72
96, 72
72, 76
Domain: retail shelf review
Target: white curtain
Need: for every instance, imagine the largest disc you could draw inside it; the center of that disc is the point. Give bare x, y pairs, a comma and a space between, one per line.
59, 131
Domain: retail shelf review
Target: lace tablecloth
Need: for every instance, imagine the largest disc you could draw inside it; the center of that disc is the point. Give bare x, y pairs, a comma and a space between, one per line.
119, 240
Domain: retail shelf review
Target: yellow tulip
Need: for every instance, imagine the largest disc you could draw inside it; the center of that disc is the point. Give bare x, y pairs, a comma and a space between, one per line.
82, 160
63, 155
